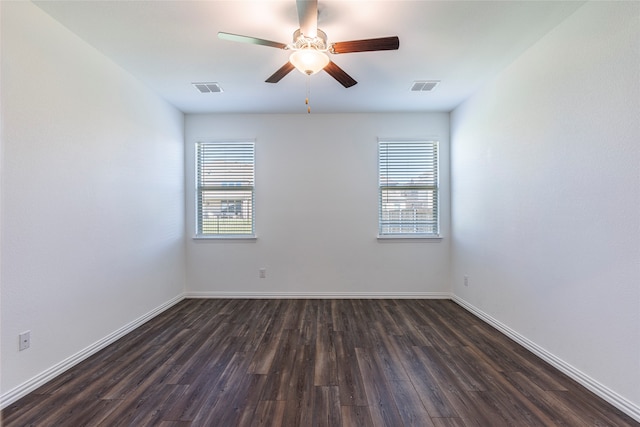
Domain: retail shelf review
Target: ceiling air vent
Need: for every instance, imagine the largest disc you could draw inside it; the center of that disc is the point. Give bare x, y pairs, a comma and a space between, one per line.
424, 85
211, 87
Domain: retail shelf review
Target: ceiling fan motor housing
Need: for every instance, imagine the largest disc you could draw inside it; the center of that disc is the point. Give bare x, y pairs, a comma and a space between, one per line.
300, 41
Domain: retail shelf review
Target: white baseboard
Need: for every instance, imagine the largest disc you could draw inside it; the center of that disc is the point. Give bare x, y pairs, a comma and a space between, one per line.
320, 295
27, 387
589, 383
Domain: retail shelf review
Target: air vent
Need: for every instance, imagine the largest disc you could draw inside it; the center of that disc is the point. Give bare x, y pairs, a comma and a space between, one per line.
424, 85
204, 87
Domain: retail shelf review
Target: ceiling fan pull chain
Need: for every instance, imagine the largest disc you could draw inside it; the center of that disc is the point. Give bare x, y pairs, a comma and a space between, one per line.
306, 101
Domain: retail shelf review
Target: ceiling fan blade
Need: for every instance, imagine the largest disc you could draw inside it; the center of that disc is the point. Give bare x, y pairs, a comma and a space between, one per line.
251, 40
308, 17
339, 74
367, 45
282, 71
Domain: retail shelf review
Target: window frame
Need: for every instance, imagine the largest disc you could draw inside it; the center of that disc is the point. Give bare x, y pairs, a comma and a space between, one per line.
231, 187
433, 187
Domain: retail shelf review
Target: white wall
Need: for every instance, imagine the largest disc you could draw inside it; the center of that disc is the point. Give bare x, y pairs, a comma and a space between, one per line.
546, 196
316, 210
92, 196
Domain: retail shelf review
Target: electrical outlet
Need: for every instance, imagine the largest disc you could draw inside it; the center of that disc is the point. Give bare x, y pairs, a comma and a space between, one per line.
25, 340
263, 273
466, 280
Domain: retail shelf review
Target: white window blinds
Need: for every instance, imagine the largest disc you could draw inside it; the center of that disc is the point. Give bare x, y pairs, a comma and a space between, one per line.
408, 188
225, 188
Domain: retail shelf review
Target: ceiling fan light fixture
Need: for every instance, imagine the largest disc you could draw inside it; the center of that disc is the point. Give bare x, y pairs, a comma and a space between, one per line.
309, 60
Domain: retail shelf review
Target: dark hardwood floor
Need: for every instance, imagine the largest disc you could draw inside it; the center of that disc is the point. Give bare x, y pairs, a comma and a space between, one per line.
313, 363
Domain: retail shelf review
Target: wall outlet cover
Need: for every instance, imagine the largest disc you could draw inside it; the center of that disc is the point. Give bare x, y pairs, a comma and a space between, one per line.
25, 340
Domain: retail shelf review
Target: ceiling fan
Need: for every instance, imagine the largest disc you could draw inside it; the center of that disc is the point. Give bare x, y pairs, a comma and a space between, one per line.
309, 47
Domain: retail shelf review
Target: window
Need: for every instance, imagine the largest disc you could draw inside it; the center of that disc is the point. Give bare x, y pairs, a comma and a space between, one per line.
408, 188
225, 188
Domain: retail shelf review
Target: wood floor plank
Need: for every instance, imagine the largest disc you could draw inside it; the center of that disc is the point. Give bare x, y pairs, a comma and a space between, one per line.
222, 407
386, 353
325, 366
301, 376
264, 355
451, 390
426, 384
277, 386
593, 411
263, 362
555, 410
382, 405
338, 315
412, 411
409, 327
356, 416
457, 422
326, 408
176, 393
352, 392
269, 413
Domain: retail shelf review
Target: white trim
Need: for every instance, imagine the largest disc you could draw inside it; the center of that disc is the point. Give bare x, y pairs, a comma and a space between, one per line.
602, 391
225, 237
27, 387
400, 237
320, 295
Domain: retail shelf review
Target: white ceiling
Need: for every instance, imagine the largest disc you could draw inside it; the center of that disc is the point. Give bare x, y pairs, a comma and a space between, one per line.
170, 44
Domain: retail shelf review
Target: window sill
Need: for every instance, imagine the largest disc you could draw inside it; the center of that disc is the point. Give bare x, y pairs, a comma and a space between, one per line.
410, 237
226, 238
